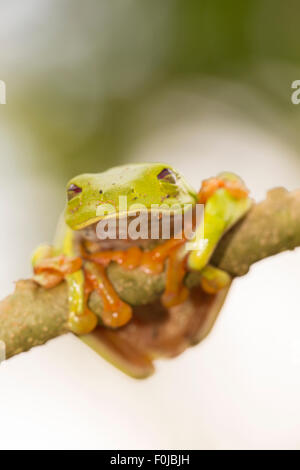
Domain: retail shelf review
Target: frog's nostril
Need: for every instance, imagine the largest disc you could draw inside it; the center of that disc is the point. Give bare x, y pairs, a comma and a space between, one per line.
167, 175
73, 190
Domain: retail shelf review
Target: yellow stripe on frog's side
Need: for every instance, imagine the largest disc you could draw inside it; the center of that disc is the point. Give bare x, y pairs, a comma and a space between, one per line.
75, 280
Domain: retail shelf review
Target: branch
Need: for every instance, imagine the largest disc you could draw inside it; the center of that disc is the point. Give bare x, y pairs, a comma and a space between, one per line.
32, 315
271, 227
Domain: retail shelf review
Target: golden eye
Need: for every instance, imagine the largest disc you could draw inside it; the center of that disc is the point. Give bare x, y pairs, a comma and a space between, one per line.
73, 190
167, 175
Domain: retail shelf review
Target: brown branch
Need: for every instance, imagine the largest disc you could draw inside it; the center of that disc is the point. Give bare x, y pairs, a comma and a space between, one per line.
270, 227
32, 315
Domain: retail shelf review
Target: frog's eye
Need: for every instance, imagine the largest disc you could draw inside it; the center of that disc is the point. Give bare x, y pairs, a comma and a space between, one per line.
167, 176
73, 190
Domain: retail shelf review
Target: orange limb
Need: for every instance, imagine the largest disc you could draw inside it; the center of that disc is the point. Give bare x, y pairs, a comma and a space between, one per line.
49, 272
211, 185
175, 292
130, 258
152, 262
48, 279
116, 313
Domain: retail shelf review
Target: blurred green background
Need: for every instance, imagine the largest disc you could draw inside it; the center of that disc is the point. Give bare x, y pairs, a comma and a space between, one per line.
79, 73
96, 83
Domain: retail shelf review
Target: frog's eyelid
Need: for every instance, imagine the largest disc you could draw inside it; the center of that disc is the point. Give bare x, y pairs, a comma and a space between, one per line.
167, 175
73, 190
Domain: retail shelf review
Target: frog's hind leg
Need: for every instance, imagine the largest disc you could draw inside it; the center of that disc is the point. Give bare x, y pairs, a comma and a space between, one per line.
115, 312
50, 269
175, 292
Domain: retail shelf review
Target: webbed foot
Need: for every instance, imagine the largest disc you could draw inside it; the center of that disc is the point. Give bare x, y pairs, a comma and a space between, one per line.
50, 270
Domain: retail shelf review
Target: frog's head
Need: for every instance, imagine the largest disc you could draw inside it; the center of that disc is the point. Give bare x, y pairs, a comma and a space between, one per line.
92, 197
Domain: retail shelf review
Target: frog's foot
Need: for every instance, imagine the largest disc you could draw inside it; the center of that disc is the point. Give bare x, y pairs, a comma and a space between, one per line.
214, 279
81, 319
229, 181
115, 313
50, 270
46, 279
82, 324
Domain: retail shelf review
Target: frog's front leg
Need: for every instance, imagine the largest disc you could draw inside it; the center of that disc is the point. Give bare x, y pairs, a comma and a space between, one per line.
226, 200
115, 313
51, 268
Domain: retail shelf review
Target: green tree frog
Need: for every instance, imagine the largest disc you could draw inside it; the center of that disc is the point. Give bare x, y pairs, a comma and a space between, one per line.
80, 258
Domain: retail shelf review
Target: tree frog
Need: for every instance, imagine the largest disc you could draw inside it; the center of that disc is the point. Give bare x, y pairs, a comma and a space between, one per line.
80, 258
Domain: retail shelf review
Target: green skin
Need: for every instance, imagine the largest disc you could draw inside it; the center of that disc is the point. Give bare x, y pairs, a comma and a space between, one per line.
138, 182
90, 195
